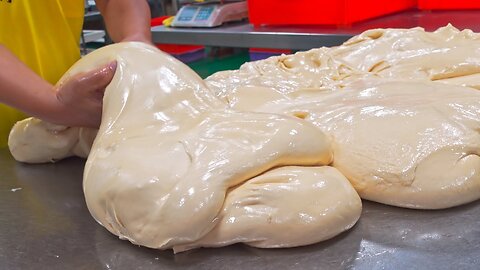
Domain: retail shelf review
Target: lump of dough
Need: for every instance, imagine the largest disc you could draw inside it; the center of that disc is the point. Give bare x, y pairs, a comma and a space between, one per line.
169, 154
400, 136
409, 144
413, 53
311, 70
34, 141
312, 200
446, 55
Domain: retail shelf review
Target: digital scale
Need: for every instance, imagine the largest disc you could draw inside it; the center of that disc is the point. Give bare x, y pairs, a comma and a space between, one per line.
206, 14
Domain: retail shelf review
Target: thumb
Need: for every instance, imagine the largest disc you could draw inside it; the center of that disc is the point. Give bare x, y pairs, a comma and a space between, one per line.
99, 78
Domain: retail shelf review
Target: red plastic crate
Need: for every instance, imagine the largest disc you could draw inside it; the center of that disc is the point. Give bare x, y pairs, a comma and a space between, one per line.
313, 12
448, 4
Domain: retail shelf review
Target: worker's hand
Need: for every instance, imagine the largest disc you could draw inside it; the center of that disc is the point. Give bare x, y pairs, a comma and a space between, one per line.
80, 98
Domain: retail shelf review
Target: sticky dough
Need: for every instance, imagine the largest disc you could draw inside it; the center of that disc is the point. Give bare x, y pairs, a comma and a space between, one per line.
181, 163
400, 104
173, 167
446, 55
34, 141
409, 144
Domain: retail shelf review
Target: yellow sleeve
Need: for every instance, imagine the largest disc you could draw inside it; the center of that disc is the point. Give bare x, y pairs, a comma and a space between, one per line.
45, 35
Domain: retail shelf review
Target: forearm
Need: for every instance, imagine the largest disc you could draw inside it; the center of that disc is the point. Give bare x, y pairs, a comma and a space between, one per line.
23, 89
126, 20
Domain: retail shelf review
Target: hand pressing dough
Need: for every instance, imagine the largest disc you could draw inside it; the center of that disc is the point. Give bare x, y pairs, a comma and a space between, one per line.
169, 156
170, 152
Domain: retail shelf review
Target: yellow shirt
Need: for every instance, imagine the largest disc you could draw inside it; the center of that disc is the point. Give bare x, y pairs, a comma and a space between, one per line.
45, 35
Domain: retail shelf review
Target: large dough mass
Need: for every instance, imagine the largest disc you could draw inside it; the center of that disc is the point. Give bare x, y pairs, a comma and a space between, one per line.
400, 104
173, 167
182, 163
407, 144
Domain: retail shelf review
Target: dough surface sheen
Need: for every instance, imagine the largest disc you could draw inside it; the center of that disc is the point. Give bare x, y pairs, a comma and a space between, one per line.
401, 105
244, 155
169, 155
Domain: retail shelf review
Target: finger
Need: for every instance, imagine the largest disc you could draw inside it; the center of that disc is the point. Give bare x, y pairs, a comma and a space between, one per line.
98, 95
99, 78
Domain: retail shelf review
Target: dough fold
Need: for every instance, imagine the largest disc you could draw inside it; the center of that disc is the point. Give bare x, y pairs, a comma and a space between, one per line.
243, 156
169, 153
34, 141
267, 210
393, 100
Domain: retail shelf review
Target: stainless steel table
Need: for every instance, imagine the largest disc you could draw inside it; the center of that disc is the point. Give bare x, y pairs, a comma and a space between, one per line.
306, 37
44, 224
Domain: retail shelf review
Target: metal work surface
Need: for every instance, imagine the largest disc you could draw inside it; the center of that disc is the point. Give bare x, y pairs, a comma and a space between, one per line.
44, 224
306, 37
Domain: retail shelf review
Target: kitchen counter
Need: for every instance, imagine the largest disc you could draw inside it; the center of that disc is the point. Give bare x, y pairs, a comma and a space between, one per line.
246, 35
44, 224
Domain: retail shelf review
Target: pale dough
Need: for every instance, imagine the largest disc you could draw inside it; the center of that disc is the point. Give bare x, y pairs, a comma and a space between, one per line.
35, 141
169, 156
181, 163
269, 209
401, 105
410, 144
446, 55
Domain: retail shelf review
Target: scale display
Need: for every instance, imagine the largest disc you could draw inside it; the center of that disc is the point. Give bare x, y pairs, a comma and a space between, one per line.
210, 15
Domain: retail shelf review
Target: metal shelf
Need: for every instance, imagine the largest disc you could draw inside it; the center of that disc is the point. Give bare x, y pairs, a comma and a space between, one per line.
245, 35
306, 37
